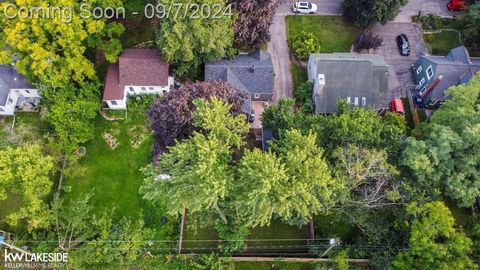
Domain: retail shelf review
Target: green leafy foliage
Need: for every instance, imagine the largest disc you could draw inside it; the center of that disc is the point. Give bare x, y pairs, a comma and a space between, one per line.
305, 44
366, 13
449, 155
195, 173
53, 49
233, 236
303, 93
188, 42
25, 173
434, 241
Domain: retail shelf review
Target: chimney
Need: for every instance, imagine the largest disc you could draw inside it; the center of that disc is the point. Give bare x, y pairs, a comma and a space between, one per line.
319, 84
252, 69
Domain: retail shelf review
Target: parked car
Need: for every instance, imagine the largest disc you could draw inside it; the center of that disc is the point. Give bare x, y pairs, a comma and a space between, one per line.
403, 45
396, 106
304, 7
457, 5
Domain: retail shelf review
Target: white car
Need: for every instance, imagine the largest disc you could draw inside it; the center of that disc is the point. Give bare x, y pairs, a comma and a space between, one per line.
304, 7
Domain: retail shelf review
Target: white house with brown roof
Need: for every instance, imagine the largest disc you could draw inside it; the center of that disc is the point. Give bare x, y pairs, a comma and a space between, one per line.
138, 72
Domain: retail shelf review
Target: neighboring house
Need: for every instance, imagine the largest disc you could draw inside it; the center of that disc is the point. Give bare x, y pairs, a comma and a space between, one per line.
15, 92
360, 79
138, 71
251, 73
435, 74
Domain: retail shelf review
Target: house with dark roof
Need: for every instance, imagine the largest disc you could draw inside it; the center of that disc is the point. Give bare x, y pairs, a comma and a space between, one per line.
251, 73
138, 72
360, 79
15, 92
435, 74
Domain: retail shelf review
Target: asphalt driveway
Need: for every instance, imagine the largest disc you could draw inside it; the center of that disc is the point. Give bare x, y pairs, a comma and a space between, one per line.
401, 77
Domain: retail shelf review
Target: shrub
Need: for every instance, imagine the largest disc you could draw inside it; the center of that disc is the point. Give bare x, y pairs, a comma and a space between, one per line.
234, 236
429, 38
303, 92
305, 44
367, 40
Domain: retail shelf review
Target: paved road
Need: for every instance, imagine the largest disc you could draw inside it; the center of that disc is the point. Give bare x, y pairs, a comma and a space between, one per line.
325, 7
278, 47
413, 7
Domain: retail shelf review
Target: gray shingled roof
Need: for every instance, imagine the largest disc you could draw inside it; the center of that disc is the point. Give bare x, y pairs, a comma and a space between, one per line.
350, 75
456, 68
10, 78
239, 72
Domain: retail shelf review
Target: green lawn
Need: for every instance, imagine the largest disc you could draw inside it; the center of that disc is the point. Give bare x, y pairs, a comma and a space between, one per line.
299, 75
333, 33
442, 42
113, 174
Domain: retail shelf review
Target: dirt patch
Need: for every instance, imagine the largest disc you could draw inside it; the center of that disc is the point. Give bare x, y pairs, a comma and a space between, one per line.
138, 134
110, 140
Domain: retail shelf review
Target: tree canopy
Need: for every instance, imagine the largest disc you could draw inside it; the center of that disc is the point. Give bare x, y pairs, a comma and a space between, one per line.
188, 41
434, 241
448, 155
195, 173
25, 172
252, 27
171, 116
53, 50
367, 13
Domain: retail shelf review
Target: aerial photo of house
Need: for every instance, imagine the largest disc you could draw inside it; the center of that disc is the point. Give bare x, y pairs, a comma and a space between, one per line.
240, 135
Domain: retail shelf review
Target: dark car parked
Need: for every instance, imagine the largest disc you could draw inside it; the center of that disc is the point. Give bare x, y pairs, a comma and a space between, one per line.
403, 45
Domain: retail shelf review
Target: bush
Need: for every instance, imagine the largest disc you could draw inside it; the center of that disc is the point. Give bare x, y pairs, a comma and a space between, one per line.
367, 40
429, 38
430, 21
233, 235
305, 44
303, 92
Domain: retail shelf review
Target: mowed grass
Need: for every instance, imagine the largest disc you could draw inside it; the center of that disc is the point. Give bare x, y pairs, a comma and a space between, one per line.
274, 265
114, 174
443, 42
333, 33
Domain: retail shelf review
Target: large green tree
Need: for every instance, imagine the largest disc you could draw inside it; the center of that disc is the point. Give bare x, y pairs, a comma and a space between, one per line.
448, 156
25, 172
195, 174
366, 13
188, 39
471, 20
434, 242
293, 184
53, 49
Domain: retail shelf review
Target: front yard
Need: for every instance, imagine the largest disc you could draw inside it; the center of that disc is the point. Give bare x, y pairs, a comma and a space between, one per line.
333, 33
440, 43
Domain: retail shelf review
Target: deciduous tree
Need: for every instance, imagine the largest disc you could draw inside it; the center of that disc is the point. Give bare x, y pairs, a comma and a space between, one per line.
171, 117
190, 40
196, 174
252, 27
25, 172
53, 49
449, 154
434, 242
366, 13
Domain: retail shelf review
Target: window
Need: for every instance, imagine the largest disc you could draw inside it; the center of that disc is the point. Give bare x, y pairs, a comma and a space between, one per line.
164, 92
28, 91
113, 102
256, 95
131, 89
364, 101
429, 72
355, 101
419, 69
150, 88
349, 100
421, 82
10, 100
422, 91
144, 89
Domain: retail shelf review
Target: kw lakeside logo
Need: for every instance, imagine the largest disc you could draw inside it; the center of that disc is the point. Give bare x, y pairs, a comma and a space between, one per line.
21, 260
